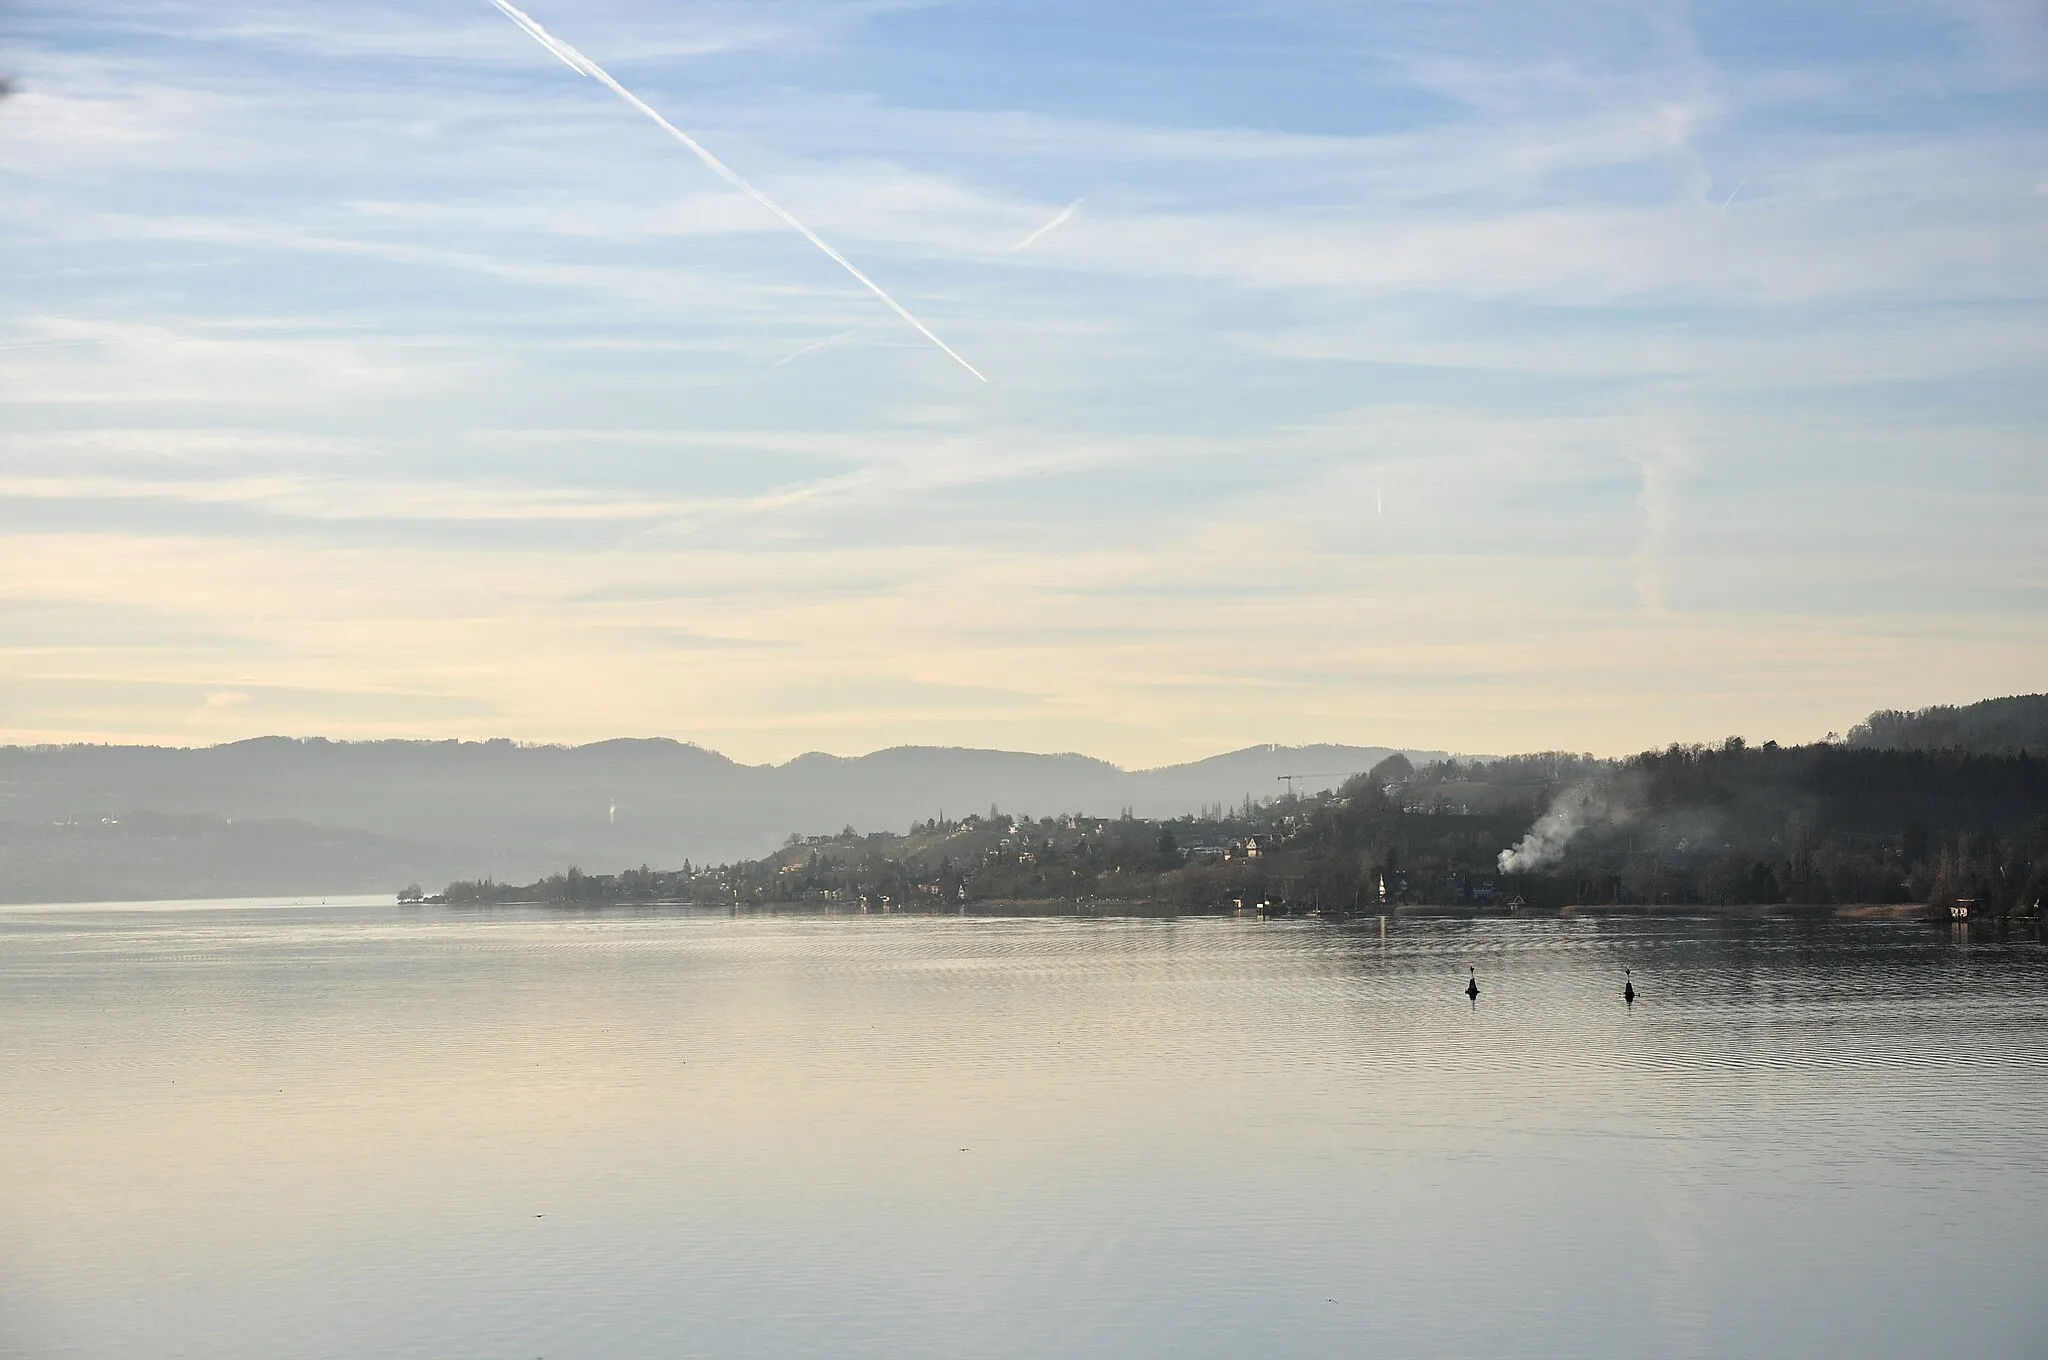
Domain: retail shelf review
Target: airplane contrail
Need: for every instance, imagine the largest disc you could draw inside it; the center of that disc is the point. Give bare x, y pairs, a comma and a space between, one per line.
1059, 221
1761, 153
817, 344
584, 66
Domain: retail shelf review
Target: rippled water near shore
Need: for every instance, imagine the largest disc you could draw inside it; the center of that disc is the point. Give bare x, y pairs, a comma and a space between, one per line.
352, 1131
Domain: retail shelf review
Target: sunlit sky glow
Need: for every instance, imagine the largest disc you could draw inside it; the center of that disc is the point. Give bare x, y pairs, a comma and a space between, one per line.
1466, 375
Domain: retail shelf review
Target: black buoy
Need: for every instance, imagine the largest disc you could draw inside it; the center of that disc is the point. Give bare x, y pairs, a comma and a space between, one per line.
1472, 985
1628, 987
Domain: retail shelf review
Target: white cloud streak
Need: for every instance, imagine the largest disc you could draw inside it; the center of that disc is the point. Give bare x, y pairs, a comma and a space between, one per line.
583, 65
1058, 221
1722, 211
815, 346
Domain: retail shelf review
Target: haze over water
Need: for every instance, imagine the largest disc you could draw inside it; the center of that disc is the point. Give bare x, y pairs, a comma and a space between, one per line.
351, 1131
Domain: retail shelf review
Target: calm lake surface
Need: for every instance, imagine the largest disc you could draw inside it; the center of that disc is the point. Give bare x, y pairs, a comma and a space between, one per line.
352, 1132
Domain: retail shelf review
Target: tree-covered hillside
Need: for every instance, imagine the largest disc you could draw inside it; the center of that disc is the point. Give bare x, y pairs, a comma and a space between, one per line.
2013, 726
1730, 824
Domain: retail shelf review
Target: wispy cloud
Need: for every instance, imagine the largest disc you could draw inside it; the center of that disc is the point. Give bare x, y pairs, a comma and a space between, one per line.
365, 354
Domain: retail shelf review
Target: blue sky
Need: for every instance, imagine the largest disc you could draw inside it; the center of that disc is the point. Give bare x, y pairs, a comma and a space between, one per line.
1484, 376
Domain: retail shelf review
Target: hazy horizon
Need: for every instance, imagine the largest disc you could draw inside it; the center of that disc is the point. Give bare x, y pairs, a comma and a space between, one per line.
777, 757
781, 759
775, 762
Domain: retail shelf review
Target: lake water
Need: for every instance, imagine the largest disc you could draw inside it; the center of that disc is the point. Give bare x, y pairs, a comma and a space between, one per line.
354, 1131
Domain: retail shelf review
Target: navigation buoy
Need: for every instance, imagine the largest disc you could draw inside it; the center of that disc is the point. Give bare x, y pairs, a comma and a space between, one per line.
1472, 985
1628, 987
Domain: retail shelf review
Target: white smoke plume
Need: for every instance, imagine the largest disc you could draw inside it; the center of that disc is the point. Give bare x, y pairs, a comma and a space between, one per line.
583, 65
1057, 222
1570, 813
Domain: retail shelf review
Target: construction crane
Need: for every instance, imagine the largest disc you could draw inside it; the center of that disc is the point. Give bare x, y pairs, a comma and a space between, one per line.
1289, 779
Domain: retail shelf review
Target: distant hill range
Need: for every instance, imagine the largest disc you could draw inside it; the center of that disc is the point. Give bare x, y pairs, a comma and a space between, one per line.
2002, 727
284, 815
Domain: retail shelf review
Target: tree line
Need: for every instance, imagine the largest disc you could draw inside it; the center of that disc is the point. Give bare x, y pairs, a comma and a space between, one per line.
1727, 824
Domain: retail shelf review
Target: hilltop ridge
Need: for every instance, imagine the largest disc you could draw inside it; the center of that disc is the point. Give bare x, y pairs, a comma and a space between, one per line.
1686, 827
2014, 725
362, 814
287, 815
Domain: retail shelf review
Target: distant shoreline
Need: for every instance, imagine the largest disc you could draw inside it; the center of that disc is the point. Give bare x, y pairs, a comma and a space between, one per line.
1135, 909
1020, 909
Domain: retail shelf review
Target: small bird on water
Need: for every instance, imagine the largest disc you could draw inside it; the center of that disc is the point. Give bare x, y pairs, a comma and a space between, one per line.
1628, 986
1472, 985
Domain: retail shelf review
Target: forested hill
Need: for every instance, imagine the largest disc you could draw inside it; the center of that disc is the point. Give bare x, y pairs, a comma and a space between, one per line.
2017, 725
281, 815
1690, 825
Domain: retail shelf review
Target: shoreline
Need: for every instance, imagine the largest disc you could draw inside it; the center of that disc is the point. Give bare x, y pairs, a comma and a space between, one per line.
1012, 908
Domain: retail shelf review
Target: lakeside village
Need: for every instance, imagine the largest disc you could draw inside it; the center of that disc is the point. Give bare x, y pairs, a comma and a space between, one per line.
1727, 825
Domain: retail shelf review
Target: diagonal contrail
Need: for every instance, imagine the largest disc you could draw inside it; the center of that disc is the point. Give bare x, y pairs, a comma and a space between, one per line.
1720, 211
1058, 221
583, 65
817, 345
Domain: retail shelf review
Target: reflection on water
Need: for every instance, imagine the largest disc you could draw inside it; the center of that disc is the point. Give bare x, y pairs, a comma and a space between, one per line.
358, 1132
